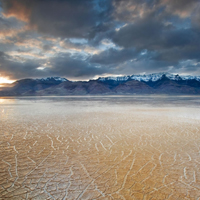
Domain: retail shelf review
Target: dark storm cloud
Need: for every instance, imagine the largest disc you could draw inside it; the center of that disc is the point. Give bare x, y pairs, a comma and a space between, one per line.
60, 65
159, 31
67, 37
154, 36
196, 18
176, 54
130, 10
113, 56
64, 64
15, 69
68, 44
189, 67
141, 34
145, 66
60, 18
9, 27
47, 47
4, 24
183, 8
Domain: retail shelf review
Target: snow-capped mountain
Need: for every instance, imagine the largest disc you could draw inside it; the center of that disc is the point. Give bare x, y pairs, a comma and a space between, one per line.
53, 79
112, 78
157, 83
155, 77
150, 77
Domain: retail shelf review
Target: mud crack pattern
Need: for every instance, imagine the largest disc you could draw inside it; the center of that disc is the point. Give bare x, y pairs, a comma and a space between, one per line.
87, 151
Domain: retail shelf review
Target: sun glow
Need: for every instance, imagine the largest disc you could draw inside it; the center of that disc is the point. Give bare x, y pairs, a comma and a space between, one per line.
5, 80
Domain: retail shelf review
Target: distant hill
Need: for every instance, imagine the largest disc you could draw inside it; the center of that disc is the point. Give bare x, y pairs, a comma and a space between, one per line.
159, 83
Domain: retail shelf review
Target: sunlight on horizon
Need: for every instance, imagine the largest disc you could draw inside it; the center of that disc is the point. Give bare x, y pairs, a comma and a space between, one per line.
5, 80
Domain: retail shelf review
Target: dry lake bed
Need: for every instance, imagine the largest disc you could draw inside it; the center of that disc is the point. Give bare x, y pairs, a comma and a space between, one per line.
135, 147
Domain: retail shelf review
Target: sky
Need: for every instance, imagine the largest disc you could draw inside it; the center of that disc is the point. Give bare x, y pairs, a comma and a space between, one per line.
85, 39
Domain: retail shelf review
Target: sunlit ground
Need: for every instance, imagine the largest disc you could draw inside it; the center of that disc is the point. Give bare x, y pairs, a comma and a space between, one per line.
100, 148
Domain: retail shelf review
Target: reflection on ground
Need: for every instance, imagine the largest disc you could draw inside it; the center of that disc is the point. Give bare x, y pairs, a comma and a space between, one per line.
75, 149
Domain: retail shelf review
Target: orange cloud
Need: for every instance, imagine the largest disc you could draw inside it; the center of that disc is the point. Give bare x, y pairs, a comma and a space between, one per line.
182, 8
17, 10
12, 32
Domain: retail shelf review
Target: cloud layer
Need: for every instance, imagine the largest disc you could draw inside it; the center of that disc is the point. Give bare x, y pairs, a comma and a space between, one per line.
85, 39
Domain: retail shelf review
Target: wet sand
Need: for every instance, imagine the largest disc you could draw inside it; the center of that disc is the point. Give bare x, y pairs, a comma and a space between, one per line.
100, 148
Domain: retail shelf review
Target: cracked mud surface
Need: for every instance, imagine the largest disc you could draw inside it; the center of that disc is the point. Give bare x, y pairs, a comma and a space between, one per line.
99, 149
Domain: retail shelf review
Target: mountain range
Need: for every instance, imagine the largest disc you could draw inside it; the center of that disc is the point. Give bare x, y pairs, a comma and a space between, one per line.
158, 83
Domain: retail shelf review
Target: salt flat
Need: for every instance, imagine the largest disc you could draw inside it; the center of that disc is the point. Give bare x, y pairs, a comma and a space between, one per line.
100, 148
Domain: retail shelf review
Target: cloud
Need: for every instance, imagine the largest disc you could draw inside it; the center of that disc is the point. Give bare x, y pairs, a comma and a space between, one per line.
84, 39
113, 56
144, 66
64, 65
182, 8
47, 47
131, 10
169, 40
195, 18
10, 27
15, 69
60, 18
141, 34
83, 47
